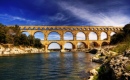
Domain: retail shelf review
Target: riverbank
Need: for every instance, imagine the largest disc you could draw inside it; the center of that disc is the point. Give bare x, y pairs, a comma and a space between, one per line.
114, 66
13, 50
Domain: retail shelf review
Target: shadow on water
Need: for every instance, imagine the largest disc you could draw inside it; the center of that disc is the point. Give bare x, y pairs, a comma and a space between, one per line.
47, 66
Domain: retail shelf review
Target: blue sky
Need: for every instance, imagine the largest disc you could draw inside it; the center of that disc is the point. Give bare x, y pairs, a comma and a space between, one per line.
65, 12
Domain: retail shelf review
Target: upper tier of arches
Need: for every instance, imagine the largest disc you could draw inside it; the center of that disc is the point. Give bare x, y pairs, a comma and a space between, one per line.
54, 35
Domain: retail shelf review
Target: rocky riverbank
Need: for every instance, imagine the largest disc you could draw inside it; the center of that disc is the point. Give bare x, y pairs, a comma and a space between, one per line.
114, 66
18, 50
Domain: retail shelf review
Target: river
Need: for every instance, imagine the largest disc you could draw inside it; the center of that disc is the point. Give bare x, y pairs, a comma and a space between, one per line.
46, 66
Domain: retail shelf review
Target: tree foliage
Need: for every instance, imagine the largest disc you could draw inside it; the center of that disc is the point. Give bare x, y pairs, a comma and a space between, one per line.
126, 29
121, 36
12, 35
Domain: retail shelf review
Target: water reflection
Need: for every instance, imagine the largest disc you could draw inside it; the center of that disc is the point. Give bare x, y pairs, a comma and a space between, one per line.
47, 66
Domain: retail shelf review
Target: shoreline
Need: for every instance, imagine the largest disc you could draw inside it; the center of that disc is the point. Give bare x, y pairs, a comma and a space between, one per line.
13, 50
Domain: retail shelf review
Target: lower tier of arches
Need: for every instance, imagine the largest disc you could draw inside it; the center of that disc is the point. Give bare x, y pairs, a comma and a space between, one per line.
73, 45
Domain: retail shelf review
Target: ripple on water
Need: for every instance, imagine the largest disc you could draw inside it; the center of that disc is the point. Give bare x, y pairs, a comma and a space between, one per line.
51, 66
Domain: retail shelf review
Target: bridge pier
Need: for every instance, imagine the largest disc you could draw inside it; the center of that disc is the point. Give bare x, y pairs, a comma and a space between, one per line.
62, 48
46, 48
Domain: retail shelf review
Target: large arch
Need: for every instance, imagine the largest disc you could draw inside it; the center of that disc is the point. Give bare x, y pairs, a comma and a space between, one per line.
39, 35
53, 36
94, 44
93, 36
104, 36
26, 33
69, 46
54, 46
80, 36
68, 36
105, 44
82, 45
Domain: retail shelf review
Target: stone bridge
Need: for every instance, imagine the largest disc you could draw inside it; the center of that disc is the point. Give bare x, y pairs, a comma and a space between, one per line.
61, 30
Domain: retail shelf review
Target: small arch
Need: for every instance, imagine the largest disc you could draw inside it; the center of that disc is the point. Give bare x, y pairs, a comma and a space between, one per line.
112, 33
80, 36
81, 45
39, 28
94, 44
54, 46
53, 36
68, 36
104, 36
24, 28
93, 36
26, 33
39, 35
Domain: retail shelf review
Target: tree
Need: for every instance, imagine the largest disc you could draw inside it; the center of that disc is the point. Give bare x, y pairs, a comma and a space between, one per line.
126, 29
31, 40
24, 40
13, 35
38, 43
2, 37
16, 41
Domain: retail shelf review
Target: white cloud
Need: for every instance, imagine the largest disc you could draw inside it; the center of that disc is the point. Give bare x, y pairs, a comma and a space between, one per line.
54, 46
53, 37
58, 17
112, 33
80, 36
12, 18
103, 35
99, 19
92, 36
68, 37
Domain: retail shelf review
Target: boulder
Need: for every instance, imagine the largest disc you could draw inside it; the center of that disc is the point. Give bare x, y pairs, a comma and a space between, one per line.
93, 72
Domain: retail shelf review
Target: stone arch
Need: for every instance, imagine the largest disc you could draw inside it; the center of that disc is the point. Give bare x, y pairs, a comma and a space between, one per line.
68, 35
54, 46
93, 36
68, 46
112, 33
104, 36
105, 44
26, 33
54, 36
80, 36
82, 45
94, 44
39, 35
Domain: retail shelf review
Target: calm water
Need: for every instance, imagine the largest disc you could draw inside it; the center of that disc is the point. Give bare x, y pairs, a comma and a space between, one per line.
47, 66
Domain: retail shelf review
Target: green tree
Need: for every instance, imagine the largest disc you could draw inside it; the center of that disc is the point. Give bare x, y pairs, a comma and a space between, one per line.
16, 41
126, 29
24, 40
38, 43
2, 37
12, 35
31, 40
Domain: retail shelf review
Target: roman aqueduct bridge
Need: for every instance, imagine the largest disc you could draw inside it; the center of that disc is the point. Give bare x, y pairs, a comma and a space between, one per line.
61, 30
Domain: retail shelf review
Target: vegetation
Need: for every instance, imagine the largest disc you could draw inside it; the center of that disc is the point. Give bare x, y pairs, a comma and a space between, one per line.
12, 35
121, 39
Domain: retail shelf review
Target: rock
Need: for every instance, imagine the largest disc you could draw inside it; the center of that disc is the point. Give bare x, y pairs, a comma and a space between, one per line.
90, 78
93, 51
93, 72
117, 64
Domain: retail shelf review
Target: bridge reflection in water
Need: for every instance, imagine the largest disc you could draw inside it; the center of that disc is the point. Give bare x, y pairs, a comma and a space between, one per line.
61, 30
67, 65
